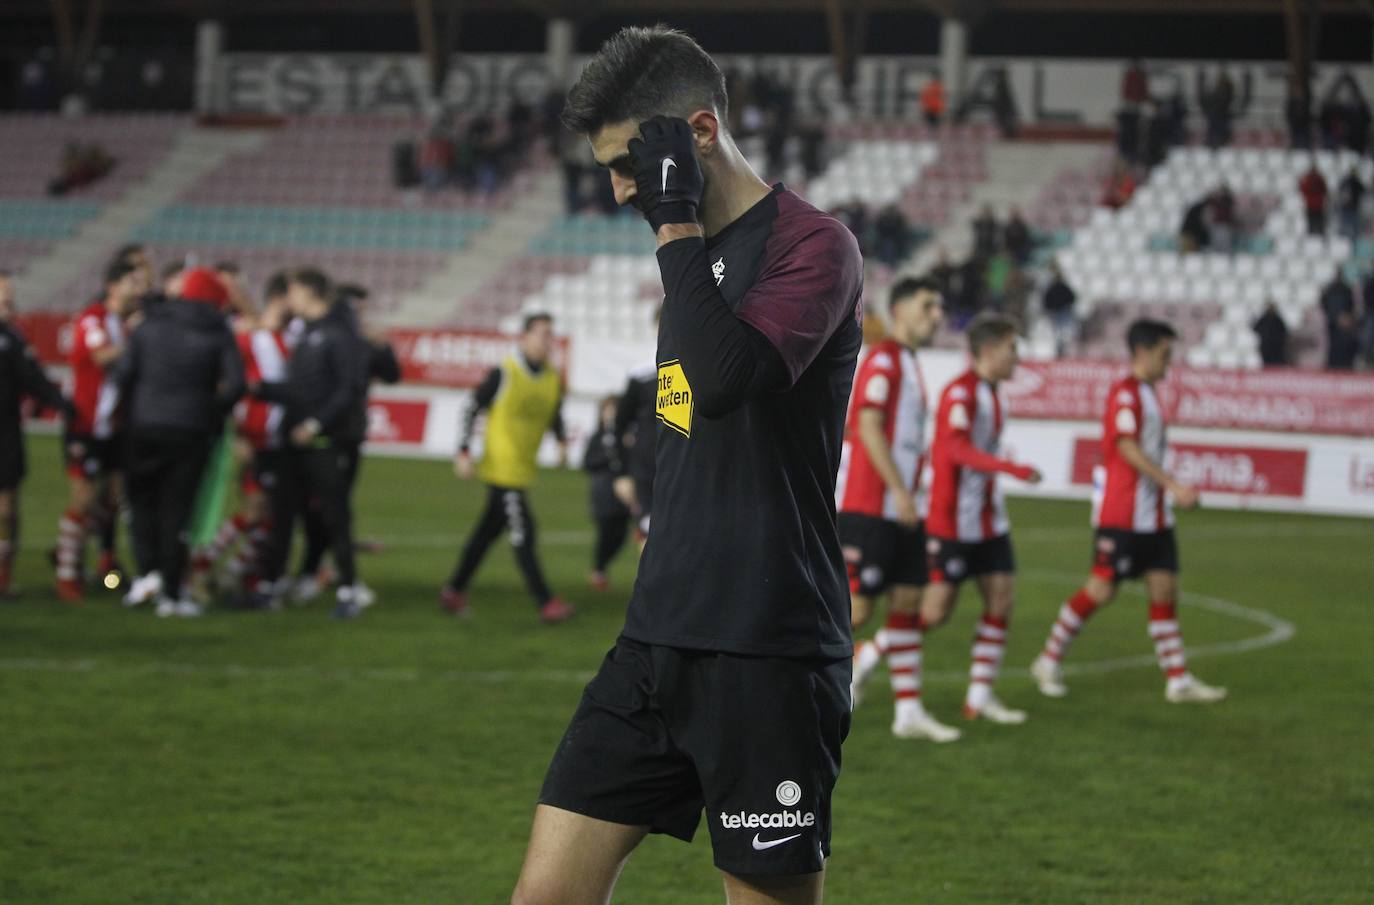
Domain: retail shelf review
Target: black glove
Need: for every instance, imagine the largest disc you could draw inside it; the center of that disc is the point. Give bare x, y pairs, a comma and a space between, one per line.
668, 180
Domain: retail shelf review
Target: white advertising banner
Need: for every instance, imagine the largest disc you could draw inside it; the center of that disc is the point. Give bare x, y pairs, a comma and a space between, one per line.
1045, 91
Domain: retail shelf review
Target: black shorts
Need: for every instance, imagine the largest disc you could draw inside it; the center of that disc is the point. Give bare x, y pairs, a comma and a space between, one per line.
13, 463
92, 457
952, 561
663, 732
1119, 555
265, 470
879, 553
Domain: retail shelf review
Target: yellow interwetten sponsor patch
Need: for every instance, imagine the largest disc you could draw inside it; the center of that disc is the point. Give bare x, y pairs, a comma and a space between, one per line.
674, 403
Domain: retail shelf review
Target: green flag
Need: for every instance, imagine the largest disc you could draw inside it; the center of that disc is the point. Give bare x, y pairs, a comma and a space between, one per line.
214, 491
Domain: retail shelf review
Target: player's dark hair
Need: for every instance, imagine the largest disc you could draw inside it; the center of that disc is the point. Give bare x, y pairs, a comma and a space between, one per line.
125, 252
313, 279
640, 73
536, 317
1146, 334
349, 293
987, 329
172, 270
277, 284
908, 287
5, 274
118, 269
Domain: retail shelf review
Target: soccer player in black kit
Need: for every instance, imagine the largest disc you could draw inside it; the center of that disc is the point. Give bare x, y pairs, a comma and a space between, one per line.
728, 688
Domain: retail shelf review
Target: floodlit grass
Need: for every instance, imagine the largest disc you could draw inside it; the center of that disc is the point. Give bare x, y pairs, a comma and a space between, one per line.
287, 758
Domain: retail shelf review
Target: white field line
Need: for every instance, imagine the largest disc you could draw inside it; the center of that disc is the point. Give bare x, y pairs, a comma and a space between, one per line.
454, 541
1277, 632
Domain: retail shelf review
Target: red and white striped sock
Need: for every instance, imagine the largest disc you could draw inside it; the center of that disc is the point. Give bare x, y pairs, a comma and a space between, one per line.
1168, 640
989, 645
71, 538
250, 550
903, 632
1074, 612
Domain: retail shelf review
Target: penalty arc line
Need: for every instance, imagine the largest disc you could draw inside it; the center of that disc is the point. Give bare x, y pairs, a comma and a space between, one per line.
1278, 631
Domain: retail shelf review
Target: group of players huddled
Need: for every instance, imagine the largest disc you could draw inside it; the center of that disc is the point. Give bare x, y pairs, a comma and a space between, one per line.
157, 368
966, 534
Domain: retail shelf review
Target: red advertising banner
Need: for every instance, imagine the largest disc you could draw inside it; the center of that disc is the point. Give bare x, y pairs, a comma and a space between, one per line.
397, 421
49, 333
1215, 469
1287, 400
456, 358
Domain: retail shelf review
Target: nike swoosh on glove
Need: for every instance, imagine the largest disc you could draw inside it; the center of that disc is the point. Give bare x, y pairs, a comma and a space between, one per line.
668, 180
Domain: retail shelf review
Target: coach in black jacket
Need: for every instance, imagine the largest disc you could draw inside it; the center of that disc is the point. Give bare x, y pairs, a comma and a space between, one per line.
320, 399
20, 375
181, 374
375, 360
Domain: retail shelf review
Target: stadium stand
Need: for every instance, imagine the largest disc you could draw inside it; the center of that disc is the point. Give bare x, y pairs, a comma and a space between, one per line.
1131, 258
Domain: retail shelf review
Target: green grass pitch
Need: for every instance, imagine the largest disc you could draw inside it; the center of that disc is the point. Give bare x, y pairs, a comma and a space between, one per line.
287, 758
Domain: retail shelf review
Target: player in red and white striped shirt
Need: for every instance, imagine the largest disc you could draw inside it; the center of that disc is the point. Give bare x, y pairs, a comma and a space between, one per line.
877, 494
1133, 520
968, 526
91, 444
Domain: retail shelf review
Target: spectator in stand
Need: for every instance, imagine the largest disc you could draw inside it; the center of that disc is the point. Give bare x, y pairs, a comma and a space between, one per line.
1222, 214
933, 101
1314, 195
1157, 130
1273, 337
1298, 112
1120, 186
1135, 85
1017, 238
81, 165
855, 217
1058, 303
1174, 111
436, 157
1016, 295
1344, 120
1343, 344
1218, 102
996, 275
811, 149
891, 236
1128, 134
945, 274
1349, 198
1338, 307
986, 233
1195, 234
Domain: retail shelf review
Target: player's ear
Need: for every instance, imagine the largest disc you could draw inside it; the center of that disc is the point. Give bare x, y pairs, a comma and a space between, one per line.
705, 131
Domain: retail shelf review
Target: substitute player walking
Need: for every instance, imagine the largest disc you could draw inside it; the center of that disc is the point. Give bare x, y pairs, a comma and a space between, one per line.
523, 398
728, 688
878, 490
970, 535
1133, 522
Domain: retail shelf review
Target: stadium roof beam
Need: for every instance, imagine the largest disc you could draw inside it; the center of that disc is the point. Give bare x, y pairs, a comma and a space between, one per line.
227, 9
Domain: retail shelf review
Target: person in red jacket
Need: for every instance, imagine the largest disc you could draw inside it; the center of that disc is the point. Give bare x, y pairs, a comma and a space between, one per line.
1314, 194
969, 533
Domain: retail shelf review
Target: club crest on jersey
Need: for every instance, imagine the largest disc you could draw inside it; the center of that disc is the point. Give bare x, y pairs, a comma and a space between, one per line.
718, 270
673, 404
